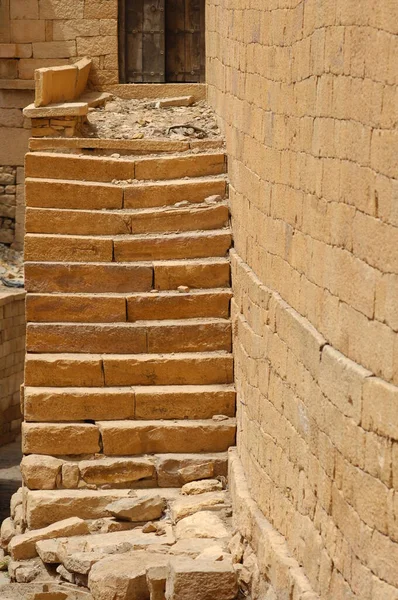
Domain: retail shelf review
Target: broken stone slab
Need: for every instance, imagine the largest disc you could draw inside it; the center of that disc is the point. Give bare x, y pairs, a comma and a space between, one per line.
116, 471
204, 524
144, 508
7, 532
70, 475
23, 572
95, 99
188, 505
64, 573
176, 469
127, 574
40, 472
48, 550
108, 525
213, 553
190, 579
60, 109
177, 101
81, 562
200, 487
24, 546
236, 547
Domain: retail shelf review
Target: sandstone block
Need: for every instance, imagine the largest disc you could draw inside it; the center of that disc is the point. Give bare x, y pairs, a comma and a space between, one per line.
184, 402
64, 49
81, 562
204, 524
61, 438
161, 194
168, 369
86, 278
63, 370
126, 574
156, 581
40, 472
46, 507
69, 167
178, 305
172, 246
178, 101
23, 546
184, 507
70, 475
7, 532
210, 273
191, 579
78, 404
129, 438
176, 469
176, 167
49, 551
201, 487
27, 31
144, 508
67, 248
125, 339
79, 222
43, 193
200, 335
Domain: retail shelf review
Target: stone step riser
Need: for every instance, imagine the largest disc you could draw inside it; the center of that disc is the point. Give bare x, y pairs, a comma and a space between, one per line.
160, 470
85, 249
152, 337
65, 194
148, 403
102, 169
83, 222
120, 309
72, 370
123, 278
128, 438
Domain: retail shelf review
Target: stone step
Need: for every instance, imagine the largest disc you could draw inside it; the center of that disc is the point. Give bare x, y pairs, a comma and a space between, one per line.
162, 220
126, 277
121, 438
94, 370
128, 438
110, 308
69, 194
54, 404
189, 335
159, 470
64, 248
106, 169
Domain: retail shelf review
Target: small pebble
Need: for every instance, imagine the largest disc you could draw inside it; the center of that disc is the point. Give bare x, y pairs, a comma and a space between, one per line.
149, 527
183, 289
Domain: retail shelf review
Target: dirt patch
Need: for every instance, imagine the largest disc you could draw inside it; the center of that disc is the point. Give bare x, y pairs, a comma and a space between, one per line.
139, 119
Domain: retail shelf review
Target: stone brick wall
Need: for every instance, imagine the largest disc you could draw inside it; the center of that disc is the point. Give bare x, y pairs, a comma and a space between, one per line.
307, 96
42, 33
12, 206
12, 350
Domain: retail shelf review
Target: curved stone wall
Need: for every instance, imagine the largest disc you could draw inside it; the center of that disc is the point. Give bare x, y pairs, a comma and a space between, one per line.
306, 93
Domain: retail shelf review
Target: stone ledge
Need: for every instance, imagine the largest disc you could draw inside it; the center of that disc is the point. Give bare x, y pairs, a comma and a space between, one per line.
62, 109
274, 558
8, 296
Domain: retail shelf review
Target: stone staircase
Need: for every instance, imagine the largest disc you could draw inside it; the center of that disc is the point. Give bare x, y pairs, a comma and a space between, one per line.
129, 372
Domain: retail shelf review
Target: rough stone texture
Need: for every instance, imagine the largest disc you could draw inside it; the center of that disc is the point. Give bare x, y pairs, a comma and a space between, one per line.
199, 579
204, 524
40, 472
23, 546
200, 487
144, 508
183, 507
12, 327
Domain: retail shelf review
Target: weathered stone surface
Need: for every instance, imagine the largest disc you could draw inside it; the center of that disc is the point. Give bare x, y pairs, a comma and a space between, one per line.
63, 370
24, 546
126, 574
144, 508
16, 500
176, 469
193, 547
46, 507
183, 507
81, 562
40, 472
70, 475
200, 487
204, 524
7, 532
190, 579
59, 438
156, 581
49, 551
116, 471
